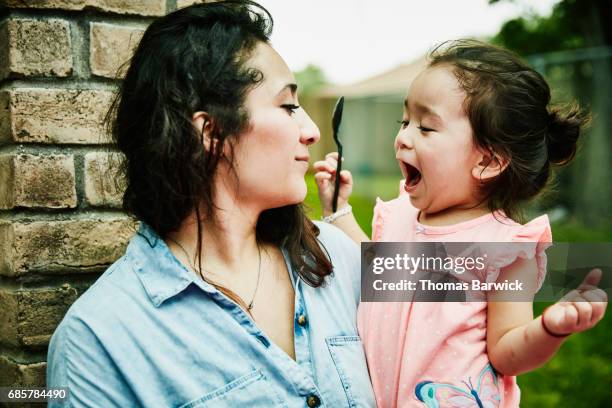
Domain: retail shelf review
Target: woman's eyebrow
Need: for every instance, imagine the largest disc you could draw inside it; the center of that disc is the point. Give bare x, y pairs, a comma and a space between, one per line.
291, 86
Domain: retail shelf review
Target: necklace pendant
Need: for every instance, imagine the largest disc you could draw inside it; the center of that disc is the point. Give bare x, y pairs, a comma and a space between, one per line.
250, 306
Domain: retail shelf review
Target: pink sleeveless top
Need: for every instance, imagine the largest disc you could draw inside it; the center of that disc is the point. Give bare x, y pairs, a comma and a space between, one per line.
433, 354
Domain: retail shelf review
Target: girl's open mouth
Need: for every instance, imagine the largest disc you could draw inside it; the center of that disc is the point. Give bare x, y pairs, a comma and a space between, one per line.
413, 175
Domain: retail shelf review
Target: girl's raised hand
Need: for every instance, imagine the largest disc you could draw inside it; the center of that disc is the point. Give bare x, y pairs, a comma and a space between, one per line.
325, 178
579, 310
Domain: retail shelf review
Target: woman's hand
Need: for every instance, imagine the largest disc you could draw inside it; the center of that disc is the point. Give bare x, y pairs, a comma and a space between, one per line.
579, 310
325, 178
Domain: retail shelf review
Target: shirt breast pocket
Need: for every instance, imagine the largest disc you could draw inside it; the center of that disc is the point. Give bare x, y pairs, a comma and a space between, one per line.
251, 390
349, 359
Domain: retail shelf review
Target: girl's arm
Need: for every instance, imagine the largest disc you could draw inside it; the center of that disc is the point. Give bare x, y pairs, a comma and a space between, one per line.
516, 342
325, 178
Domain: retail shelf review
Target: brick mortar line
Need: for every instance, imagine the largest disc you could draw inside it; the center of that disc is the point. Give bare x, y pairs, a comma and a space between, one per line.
80, 49
63, 214
92, 83
86, 15
43, 148
79, 181
170, 6
4, 13
23, 356
79, 281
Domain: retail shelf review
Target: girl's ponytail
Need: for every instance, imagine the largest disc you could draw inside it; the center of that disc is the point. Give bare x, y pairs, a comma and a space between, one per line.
563, 132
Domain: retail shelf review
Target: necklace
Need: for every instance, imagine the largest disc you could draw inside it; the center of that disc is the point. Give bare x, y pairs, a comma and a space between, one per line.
191, 263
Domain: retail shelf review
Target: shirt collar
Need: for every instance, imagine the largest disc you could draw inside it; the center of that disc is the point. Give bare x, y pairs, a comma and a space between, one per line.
161, 274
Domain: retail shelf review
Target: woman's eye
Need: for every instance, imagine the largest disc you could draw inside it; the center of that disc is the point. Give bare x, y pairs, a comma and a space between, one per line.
290, 108
425, 129
404, 123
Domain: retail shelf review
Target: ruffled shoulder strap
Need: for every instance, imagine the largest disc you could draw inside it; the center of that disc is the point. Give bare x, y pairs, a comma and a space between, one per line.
383, 210
381, 213
528, 241
536, 230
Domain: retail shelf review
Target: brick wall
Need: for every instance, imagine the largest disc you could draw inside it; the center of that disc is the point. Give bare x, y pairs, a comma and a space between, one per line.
60, 218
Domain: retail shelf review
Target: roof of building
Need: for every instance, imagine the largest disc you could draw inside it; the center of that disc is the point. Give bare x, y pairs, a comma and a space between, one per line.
392, 82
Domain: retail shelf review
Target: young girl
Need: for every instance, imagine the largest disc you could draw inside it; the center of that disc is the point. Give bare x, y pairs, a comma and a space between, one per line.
477, 140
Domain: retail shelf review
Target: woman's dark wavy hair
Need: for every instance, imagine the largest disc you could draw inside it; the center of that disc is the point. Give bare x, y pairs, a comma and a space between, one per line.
507, 104
194, 59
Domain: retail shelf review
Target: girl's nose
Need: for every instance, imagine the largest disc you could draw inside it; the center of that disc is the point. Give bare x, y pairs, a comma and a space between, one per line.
309, 131
403, 140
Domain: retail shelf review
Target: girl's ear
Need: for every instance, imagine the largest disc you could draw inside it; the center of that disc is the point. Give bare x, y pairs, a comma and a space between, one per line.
204, 125
489, 165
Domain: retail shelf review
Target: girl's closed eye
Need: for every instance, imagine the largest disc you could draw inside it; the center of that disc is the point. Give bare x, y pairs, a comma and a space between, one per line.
425, 129
290, 108
404, 123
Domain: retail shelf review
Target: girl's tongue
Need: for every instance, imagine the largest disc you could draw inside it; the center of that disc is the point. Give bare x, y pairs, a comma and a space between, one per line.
413, 175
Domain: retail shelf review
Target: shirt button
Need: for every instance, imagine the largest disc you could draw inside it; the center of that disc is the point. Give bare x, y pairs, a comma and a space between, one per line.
302, 320
313, 401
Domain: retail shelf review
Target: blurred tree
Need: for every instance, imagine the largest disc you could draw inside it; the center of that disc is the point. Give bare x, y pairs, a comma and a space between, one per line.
310, 79
574, 25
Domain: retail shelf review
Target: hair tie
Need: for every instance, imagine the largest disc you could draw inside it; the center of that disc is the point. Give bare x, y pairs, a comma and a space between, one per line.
550, 123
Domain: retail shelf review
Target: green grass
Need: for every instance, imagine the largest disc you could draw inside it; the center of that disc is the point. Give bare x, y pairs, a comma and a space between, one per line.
578, 374
573, 231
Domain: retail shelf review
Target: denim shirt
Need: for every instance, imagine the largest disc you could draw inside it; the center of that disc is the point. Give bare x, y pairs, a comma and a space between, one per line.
151, 333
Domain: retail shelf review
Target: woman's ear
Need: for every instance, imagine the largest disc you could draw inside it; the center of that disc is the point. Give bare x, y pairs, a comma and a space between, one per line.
204, 125
488, 165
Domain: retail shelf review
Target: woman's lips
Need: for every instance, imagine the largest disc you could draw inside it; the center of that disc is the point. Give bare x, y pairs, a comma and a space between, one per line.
303, 161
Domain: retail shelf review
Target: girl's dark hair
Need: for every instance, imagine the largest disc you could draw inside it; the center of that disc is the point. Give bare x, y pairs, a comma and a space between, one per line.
507, 104
194, 59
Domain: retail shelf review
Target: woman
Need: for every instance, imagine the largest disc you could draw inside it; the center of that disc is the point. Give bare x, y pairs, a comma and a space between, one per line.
225, 297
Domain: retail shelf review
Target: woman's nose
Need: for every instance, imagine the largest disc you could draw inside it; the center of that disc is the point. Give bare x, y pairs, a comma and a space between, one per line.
309, 131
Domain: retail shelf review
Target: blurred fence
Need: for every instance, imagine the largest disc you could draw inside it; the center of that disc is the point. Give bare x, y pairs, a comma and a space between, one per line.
584, 75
